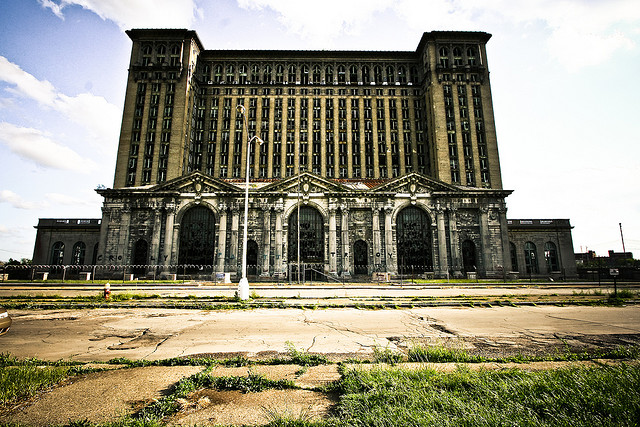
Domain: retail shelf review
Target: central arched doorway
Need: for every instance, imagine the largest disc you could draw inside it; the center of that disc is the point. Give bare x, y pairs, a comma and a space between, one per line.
413, 232
311, 241
360, 257
469, 263
140, 256
197, 237
252, 258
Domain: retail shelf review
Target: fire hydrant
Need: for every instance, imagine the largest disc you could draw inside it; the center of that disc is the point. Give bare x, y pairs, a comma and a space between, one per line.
107, 291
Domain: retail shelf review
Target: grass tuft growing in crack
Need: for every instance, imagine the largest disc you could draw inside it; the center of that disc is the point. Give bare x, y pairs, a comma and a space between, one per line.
169, 405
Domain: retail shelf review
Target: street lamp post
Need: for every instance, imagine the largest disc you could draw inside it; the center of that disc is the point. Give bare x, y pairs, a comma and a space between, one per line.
243, 285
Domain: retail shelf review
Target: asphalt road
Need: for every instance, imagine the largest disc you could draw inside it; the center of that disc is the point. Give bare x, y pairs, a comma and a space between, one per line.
102, 334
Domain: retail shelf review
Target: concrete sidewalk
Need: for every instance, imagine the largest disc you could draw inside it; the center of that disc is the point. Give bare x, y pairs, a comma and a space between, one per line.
108, 396
103, 334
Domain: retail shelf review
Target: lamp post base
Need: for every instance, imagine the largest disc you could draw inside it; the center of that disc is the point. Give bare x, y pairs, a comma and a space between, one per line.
243, 289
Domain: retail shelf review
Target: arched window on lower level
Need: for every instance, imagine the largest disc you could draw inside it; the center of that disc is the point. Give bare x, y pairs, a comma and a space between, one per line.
57, 253
531, 258
77, 256
551, 257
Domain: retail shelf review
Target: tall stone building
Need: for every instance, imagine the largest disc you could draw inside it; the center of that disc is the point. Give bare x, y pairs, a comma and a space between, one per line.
373, 161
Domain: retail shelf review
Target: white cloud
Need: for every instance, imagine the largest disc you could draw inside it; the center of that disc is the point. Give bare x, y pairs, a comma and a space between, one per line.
581, 33
34, 145
320, 21
129, 14
65, 199
8, 196
94, 113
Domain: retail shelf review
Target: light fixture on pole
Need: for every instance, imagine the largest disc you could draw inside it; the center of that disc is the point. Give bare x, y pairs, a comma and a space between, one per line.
243, 286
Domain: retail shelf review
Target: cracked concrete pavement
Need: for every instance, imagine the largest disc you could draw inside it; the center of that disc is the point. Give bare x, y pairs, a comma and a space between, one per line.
102, 334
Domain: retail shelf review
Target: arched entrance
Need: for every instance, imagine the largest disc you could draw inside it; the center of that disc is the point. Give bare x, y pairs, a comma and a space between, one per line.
252, 258
311, 240
360, 257
469, 256
140, 256
413, 232
197, 237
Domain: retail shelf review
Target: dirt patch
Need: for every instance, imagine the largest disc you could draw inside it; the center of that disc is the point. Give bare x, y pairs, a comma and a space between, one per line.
234, 408
99, 397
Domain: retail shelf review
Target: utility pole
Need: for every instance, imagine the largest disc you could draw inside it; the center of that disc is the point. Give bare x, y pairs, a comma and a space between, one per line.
622, 237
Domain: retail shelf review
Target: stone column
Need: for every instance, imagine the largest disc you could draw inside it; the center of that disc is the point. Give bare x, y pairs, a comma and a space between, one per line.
391, 260
221, 251
504, 236
346, 258
102, 257
168, 236
377, 247
266, 239
442, 243
456, 257
233, 244
278, 263
122, 258
174, 246
155, 239
333, 265
485, 250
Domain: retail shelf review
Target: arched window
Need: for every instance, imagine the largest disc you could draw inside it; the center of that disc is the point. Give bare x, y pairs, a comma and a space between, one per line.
255, 73
197, 237
342, 74
366, 76
146, 55
57, 253
469, 262
391, 74
328, 75
311, 236
531, 258
304, 74
514, 256
353, 74
230, 74
317, 74
457, 56
414, 241
266, 74
217, 73
291, 77
444, 57
402, 74
279, 73
377, 74
77, 256
242, 74
161, 54
471, 56
551, 257
175, 56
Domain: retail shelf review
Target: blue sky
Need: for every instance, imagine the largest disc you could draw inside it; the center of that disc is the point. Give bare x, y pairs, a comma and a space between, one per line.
563, 75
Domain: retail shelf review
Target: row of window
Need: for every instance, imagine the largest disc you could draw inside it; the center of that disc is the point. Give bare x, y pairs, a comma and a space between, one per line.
468, 165
305, 74
78, 253
531, 258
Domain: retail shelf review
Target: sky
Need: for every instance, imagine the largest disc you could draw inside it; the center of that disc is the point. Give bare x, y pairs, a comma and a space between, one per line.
564, 80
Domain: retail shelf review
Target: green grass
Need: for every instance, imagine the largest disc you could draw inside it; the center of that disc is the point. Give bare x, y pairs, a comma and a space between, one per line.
567, 397
20, 382
440, 354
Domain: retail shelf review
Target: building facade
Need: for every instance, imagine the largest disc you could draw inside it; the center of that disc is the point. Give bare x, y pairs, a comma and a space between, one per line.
358, 162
